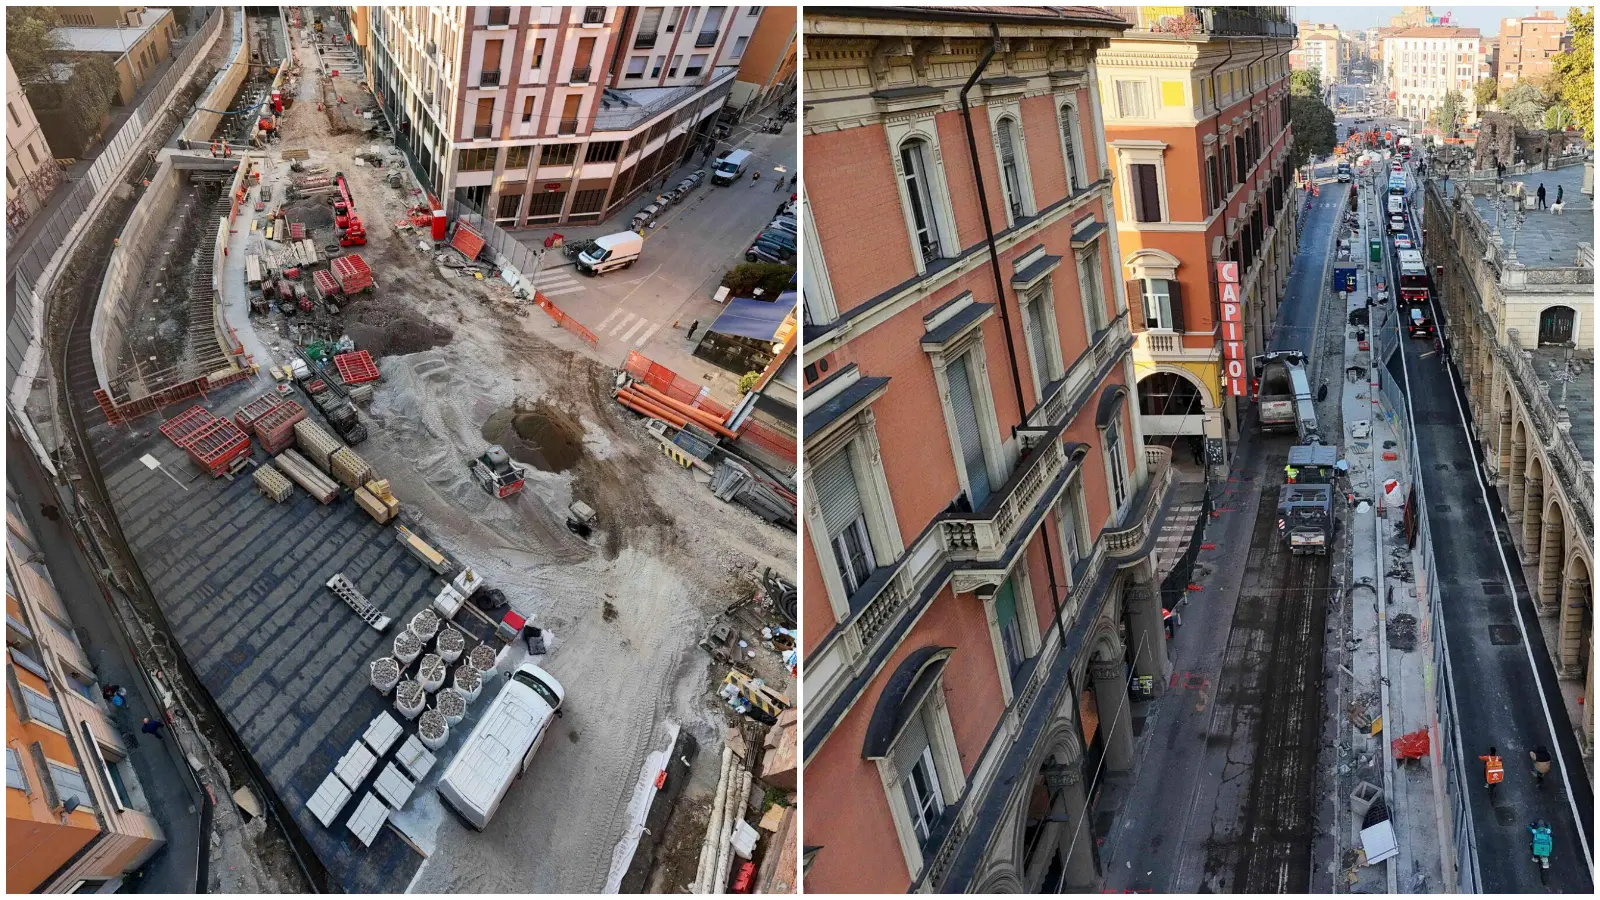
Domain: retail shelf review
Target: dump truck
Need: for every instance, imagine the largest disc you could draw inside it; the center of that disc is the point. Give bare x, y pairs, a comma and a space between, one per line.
1279, 377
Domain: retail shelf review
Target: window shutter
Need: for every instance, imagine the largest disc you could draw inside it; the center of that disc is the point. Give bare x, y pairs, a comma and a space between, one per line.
41, 766
1136, 294
1007, 153
1039, 340
967, 429
913, 740
834, 482
1175, 291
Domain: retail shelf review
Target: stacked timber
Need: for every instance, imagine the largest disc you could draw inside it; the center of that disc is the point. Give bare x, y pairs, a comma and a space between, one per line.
349, 469
304, 474
318, 445
272, 483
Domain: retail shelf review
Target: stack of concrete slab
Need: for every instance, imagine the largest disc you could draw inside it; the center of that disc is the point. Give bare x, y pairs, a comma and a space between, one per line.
351, 470
317, 444
272, 483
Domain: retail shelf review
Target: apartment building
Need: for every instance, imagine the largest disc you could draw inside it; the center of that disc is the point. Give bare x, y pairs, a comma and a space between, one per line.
76, 819
542, 115
1422, 64
31, 169
1198, 139
980, 600
768, 66
1519, 302
1529, 43
136, 39
1323, 52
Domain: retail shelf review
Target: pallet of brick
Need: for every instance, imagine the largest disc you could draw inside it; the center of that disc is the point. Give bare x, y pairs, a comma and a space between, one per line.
275, 430
250, 413
349, 469
304, 474
375, 508
380, 492
317, 445
271, 482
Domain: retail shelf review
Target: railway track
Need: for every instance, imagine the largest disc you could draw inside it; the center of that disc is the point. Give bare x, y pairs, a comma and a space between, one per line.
1272, 680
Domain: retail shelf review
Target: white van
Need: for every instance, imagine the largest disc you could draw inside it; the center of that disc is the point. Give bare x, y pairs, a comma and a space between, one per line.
500, 747
731, 167
614, 251
1397, 204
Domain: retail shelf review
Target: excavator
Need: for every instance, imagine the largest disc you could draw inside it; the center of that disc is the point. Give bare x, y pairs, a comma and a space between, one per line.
496, 473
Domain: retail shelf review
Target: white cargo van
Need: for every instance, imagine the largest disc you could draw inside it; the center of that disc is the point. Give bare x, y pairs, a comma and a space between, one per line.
500, 747
1397, 204
731, 167
614, 251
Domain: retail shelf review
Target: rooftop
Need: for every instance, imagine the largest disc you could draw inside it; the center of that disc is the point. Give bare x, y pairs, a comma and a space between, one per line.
1570, 383
1546, 240
109, 39
630, 108
1434, 31
1032, 15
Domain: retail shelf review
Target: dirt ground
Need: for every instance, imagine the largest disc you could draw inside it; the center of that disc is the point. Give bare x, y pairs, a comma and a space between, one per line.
461, 370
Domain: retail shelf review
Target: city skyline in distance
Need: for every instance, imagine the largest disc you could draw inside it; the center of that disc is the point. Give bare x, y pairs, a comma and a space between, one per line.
1359, 18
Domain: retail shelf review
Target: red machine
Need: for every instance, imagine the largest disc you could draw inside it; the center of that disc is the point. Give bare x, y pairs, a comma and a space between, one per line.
277, 102
343, 208
355, 235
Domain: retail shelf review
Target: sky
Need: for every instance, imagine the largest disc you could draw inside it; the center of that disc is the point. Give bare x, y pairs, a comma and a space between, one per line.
1482, 17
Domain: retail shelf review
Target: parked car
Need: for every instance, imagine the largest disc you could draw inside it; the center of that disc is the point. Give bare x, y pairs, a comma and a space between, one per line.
1402, 241
1397, 223
777, 236
614, 251
767, 252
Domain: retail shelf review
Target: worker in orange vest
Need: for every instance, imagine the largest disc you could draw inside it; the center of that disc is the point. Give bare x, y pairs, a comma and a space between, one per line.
1494, 770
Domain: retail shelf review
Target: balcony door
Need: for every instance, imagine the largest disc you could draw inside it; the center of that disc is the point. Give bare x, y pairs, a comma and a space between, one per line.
961, 379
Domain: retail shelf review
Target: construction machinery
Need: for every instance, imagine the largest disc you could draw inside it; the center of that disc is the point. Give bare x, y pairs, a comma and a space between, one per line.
1305, 501
354, 234
496, 473
344, 207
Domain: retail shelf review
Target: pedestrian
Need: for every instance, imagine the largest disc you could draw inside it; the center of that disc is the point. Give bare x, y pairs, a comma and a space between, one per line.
755, 177
153, 727
1197, 449
777, 184
110, 690
692, 326
793, 180
1540, 195
1560, 192
1499, 170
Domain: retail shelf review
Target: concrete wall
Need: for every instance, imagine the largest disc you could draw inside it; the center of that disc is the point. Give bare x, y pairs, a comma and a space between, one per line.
222, 91
119, 289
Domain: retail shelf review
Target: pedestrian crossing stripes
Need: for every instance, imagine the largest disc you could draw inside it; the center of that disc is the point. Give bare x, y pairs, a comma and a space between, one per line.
555, 282
1176, 532
632, 330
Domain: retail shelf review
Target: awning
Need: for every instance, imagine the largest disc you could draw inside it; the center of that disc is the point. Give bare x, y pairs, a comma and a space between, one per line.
758, 319
902, 695
1110, 403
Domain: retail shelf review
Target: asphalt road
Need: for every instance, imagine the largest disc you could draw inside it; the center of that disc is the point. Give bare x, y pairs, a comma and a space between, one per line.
1505, 684
1215, 802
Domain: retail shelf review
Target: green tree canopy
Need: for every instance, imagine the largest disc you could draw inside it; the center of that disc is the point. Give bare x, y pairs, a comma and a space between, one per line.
1526, 103
1485, 92
1305, 83
1313, 125
1574, 71
29, 44
1447, 118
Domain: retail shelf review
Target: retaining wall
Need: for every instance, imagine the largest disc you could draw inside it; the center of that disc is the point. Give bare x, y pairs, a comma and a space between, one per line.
222, 91
119, 291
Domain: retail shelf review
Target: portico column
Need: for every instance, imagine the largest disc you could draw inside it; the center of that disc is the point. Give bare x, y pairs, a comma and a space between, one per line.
1116, 720
1146, 628
1077, 860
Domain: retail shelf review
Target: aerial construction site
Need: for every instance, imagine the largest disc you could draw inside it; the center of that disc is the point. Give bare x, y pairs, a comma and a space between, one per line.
348, 485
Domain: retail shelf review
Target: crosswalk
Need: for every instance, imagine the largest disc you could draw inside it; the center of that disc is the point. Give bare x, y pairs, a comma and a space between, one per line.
631, 329
1176, 533
554, 282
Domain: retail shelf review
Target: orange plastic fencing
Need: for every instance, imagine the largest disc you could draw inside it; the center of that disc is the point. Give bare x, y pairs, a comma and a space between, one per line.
564, 320
768, 438
663, 379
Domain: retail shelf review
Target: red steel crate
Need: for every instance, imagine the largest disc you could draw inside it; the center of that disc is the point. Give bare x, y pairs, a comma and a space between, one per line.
186, 424
353, 273
275, 430
356, 367
217, 445
251, 412
323, 279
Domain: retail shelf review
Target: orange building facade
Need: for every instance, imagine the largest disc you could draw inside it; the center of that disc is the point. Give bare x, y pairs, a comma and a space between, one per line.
1198, 139
72, 822
767, 67
979, 599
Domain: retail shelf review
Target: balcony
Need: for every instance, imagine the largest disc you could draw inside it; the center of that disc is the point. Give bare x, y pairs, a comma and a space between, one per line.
482, 131
706, 39
1071, 391
580, 75
984, 535
1184, 22
568, 126
1145, 516
643, 41
1153, 342
489, 78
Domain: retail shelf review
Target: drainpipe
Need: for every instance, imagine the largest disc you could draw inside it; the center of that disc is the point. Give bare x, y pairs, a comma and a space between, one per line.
1000, 296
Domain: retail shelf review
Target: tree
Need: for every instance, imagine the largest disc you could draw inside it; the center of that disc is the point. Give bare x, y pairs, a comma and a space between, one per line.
1313, 125
1305, 83
33, 50
1485, 92
1574, 71
1525, 103
1447, 118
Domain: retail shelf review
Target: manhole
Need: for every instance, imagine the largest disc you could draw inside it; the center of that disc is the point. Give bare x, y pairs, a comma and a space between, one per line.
1505, 816
1503, 635
1493, 587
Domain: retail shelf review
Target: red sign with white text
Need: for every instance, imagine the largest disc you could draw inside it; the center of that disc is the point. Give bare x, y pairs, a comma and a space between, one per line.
1233, 368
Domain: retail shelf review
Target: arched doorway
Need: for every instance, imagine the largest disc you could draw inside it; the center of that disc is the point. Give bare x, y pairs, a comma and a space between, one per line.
1172, 412
1556, 325
1577, 620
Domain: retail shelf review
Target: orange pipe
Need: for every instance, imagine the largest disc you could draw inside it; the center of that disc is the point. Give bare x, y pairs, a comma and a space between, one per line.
700, 416
644, 403
651, 410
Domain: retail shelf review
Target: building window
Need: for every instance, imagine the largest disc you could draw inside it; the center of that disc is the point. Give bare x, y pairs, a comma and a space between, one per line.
1227, 173
1093, 291
546, 204
510, 203
558, 154
16, 122
1071, 151
1116, 465
569, 114
594, 15
1013, 643
16, 776
490, 76
499, 15
43, 710
478, 160
1006, 134
603, 152
1241, 159
538, 53
517, 158
964, 378
590, 201
1145, 185
697, 63
923, 796
483, 125
672, 72
655, 70
1074, 516
649, 28
1213, 189
839, 498
1044, 342
1163, 304
709, 27
636, 67
1133, 99
34, 154
69, 785
738, 46
527, 108
915, 158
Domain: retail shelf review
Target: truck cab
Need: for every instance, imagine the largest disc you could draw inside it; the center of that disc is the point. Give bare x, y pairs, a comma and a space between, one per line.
1305, 517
